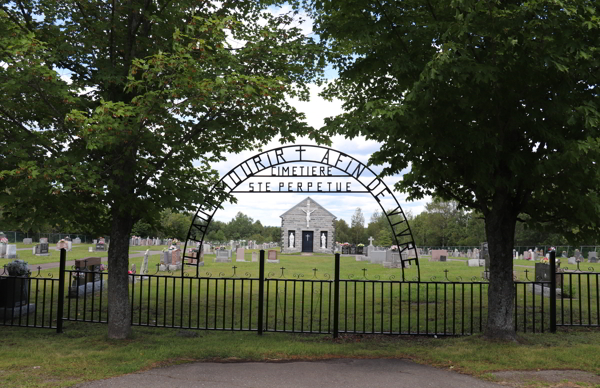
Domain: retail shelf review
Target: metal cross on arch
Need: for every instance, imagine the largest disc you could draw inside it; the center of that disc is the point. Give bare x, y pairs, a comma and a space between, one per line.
331, 161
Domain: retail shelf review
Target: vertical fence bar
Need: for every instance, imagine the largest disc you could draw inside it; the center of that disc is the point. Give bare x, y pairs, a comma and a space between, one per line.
261, 291
552, 292
61, 291
336, 296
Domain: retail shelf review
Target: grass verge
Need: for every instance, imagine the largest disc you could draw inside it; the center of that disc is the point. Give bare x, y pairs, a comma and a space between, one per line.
41, 358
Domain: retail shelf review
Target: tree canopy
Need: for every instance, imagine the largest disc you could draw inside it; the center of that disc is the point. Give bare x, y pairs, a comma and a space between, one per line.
113, 110
493, 104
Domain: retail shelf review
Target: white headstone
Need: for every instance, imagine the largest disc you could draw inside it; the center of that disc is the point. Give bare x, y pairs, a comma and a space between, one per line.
11, 251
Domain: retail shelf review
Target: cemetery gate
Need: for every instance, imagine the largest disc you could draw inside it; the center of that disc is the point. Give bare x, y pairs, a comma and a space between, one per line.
319, 163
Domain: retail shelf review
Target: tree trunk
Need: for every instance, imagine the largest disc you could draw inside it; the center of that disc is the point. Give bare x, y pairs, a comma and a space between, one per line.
500, 225
119, 310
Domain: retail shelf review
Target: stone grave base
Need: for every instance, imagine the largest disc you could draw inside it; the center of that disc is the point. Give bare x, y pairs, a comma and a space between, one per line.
538, 288
306, 253
222, 260
41, 254
273, 261
169, 267
15, 312
475, 263
360, 258
240, 261
387, 264
87, 288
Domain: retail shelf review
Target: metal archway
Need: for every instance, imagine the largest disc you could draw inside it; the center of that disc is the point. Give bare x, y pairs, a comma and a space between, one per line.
258, 163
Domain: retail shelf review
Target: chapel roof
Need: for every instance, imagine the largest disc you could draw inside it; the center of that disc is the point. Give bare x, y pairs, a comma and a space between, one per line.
301, 202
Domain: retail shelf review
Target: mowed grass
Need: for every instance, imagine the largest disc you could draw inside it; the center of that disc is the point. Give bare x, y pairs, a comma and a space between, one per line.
42, 358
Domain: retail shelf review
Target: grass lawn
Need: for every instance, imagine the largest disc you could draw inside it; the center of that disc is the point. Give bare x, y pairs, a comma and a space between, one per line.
41, 358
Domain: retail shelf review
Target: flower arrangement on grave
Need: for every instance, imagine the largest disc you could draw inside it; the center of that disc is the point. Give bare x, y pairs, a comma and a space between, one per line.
346, 244
545, 260
17, 268
361, 245
78, 277
4, 240
394, 248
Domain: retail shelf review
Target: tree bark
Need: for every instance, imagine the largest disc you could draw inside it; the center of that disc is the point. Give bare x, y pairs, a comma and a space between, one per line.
500, 222
119, 310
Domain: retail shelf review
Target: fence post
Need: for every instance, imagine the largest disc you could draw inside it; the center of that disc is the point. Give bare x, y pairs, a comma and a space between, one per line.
552, 291
261, 290
336, 296
61, 291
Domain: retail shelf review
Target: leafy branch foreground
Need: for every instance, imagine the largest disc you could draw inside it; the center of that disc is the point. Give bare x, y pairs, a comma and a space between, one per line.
39, 358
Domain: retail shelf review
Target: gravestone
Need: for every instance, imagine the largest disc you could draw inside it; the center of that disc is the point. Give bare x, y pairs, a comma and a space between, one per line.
239, 255
377, 256
27, 241
442, 258
578, 256
222, 256
572, 260
436, 253
43, 240
88, 280
11, 251
272, 256
254, 257
564, 254
592, 257
175, 264
542, 273
485, 255
76, 240
3, 250
473, 263
164, 260
41, 249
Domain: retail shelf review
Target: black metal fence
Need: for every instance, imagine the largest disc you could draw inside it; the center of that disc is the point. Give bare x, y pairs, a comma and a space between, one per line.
319, 304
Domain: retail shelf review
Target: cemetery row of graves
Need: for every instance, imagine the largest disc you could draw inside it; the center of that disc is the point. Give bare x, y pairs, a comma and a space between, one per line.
233, 288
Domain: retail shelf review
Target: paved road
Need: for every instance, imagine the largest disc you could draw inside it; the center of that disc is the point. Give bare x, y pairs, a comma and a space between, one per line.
347, 373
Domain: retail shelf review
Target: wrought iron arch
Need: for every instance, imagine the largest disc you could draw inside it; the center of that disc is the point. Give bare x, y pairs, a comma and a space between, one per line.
276, 157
